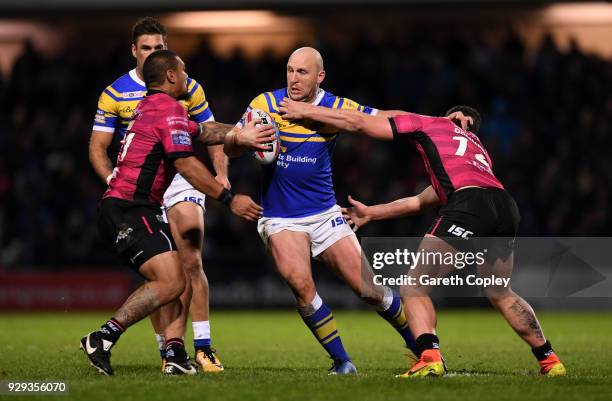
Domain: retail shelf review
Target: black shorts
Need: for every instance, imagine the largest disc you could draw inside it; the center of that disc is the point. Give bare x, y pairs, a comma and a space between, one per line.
480, 213
136, 231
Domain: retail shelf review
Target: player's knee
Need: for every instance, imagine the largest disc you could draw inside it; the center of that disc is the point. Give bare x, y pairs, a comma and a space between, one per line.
193, 236
174, 283
176, 287
192, 264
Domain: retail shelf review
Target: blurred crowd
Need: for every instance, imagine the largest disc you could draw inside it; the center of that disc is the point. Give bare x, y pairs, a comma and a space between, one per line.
547, 119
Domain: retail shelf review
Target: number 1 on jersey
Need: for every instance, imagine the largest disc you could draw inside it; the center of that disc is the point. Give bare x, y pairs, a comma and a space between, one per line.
126, 145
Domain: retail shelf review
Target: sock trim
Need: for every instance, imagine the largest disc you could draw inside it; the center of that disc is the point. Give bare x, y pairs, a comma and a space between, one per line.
116, 323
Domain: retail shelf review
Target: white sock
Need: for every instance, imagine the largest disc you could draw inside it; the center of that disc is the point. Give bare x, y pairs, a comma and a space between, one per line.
386, 301
161, 341
201, 330
314, 306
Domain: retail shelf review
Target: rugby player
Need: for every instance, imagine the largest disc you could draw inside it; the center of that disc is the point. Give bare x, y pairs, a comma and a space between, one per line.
158, 143
301, 219
184, 206
471, 199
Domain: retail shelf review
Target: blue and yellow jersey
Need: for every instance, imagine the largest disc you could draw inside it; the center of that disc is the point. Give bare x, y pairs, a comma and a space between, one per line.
119, 100
300, 184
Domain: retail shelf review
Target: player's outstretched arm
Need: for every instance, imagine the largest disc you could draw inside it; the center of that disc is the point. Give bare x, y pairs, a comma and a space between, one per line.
98, 156
201, 179
359, 214
374, 126
250, 137
213, 133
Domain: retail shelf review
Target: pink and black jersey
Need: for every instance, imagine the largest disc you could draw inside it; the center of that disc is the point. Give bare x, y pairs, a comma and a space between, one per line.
453, 158
159, 132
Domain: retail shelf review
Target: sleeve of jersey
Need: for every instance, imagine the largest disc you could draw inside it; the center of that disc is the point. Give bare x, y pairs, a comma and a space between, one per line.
348, 104
406, 124
260, 103
175, 133
199, 109
107, 117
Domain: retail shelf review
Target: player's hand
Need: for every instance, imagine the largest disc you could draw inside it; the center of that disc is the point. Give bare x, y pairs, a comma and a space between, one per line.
243, 206
223, 180
255, 137
356, 216
292, 110
461, 119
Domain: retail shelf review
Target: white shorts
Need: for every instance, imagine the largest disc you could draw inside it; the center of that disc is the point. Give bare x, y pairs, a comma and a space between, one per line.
324, 229
182, 191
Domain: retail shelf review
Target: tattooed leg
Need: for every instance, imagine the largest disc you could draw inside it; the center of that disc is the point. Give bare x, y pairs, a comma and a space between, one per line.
521, 318
140, 304
166, 282
517, 312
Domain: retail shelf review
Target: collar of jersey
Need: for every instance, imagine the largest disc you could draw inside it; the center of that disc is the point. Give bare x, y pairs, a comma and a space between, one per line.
135, 78
317, 99
154, 92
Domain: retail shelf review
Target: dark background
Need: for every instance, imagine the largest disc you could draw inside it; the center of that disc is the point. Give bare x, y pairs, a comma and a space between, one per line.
546, 107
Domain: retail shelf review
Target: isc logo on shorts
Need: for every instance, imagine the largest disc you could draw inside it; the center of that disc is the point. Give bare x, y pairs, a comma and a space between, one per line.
194, 199
338, 221
459, 231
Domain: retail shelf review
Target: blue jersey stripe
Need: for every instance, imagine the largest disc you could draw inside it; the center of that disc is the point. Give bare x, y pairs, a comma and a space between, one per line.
341, 102
202, 116
267, 96
109, 93
199, 108
192, 91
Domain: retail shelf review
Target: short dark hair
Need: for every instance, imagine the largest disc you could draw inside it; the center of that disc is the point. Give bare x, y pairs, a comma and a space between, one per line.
468, 112
147, 26
156, 65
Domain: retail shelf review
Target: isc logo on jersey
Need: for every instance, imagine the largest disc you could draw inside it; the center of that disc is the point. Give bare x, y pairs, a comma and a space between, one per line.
269, 156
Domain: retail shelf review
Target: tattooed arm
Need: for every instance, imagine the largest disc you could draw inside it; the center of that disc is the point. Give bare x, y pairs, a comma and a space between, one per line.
213, 133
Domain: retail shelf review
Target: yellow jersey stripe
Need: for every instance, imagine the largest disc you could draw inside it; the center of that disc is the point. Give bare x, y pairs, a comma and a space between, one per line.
273, 101
114, 92
200, 108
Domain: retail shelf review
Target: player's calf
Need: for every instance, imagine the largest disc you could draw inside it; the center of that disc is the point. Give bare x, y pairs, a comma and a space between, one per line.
322, 323
392, 310
521, 317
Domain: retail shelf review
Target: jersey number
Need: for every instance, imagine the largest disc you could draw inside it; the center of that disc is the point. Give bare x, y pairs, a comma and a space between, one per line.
126, 145
463, 141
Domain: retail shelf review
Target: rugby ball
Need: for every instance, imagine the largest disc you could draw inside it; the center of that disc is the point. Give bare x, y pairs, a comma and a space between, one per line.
270, 155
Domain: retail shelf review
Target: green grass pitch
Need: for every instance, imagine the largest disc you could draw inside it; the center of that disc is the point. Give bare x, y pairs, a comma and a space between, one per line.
272, 356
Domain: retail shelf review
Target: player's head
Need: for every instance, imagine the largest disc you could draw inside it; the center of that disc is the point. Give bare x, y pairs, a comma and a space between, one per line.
468, 112
164, 70
148, 35
304, 74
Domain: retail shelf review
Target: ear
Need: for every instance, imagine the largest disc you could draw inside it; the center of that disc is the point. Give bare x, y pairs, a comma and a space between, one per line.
134, 50
171, 76
321, 76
